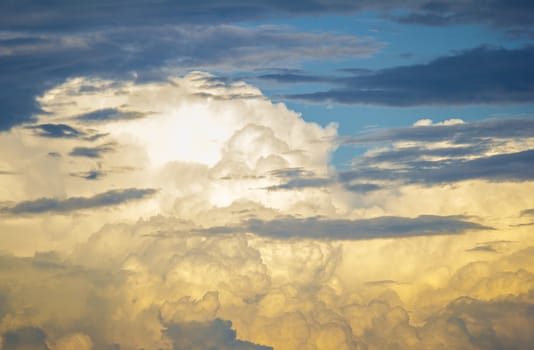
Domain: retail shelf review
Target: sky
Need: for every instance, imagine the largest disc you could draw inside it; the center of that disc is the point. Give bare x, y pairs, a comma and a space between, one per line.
252, 175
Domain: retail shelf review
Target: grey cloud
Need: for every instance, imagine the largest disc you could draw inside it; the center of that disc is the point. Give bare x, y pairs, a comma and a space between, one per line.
527, 212
89, 175
117, 52
55, 130
91, 152
502, 167
478, 76
381, 283
404, 154
512, 16
381, 227
64, 15
43, 43
295, 78
301, 182
487, 322
216, 334
293, 178
26, 338
466, 157
363, 187
467, 133
105, 199
54, 155
483, 248
109, 114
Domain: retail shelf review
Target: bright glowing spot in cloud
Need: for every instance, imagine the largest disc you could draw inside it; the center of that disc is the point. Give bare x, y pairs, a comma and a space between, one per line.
233, 135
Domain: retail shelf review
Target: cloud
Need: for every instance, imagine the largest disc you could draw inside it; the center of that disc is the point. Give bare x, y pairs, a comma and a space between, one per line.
500, 14
484, 75
55, 131
381, 227
512, 17
491, 150
149, 53
109, 198
216, 334
89, 175
496, 150
502, 167
490, 130
26, 338
108, 114
483, 248
290, 269
91, 152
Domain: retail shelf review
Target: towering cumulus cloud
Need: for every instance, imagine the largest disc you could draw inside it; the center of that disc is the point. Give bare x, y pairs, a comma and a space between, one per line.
192, 213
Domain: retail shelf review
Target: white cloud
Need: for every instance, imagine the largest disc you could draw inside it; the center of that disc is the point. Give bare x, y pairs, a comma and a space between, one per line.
151, 273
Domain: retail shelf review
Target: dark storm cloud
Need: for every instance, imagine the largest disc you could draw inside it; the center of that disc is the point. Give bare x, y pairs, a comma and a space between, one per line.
55, 131
482, 75
381, 227
117, 52
105, 199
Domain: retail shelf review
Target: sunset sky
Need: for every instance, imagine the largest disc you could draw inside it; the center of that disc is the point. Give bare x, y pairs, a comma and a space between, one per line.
252, 175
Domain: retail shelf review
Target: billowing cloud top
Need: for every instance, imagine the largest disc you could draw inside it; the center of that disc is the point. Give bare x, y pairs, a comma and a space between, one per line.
213, 218
156, 193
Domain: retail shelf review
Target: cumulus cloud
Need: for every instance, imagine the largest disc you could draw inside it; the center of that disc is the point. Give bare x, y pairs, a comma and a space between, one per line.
218, 258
